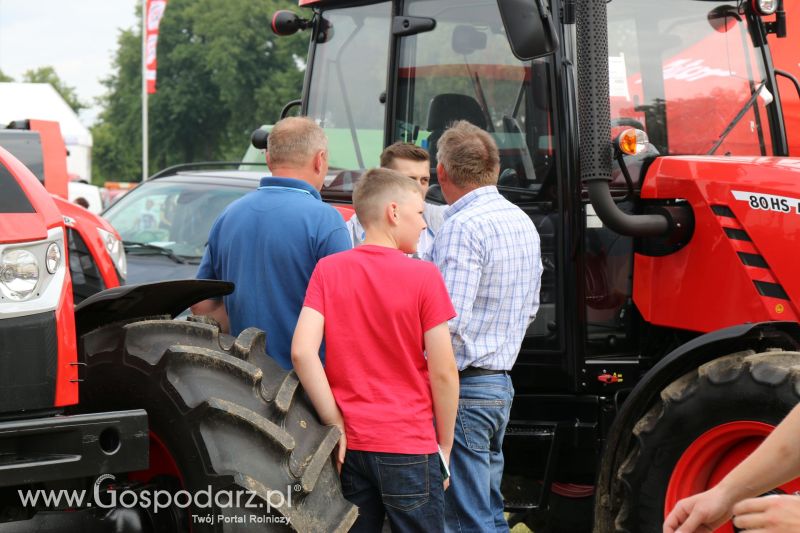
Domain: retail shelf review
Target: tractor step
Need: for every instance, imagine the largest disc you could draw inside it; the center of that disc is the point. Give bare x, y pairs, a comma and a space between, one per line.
539, 444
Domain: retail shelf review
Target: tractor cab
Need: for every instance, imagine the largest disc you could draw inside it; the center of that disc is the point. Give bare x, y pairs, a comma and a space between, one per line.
683, 71
645, 139
694, 77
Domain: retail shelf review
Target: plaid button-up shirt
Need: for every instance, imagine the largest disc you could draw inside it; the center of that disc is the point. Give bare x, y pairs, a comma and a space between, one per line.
489, 254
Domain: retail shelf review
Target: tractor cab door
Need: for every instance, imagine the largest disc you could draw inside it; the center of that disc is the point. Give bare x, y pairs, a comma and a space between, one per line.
388, 71
463, 69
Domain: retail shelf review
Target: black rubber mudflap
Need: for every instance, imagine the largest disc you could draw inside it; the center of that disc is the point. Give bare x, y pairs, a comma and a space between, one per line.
229, 415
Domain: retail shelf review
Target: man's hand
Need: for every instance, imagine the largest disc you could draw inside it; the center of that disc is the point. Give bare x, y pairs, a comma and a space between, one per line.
701, 513
770, 514
216, 310
446, 453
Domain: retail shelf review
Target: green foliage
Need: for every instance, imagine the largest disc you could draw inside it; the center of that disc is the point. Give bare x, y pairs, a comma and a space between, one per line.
49, 75
4, 77
221, 74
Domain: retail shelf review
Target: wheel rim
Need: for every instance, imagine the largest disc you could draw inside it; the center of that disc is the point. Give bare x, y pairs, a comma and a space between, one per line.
161, 463
162, 467
711, 456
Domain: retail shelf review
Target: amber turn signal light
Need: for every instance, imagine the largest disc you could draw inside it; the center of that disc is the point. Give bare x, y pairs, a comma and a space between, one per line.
632, 141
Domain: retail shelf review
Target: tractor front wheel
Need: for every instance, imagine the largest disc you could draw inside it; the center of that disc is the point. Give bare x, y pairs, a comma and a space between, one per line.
705, 423
229, 429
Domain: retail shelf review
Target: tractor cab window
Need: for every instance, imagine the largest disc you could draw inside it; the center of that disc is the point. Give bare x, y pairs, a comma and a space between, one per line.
464, 69
348, 82
688, 74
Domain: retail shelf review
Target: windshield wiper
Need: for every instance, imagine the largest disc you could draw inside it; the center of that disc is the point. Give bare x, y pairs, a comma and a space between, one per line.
738, 117
154, 248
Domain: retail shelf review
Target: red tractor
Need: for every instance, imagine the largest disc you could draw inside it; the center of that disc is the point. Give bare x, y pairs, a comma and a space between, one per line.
114, 417
666, 344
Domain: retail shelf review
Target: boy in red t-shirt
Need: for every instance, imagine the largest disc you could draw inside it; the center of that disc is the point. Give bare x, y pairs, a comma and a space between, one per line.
381, 313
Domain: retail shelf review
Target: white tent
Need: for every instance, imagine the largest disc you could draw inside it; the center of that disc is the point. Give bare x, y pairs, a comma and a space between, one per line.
19, 101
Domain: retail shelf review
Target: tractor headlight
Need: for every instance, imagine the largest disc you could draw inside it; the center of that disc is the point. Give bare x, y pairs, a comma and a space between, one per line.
53, 258
19, 274
765, 7
116, 251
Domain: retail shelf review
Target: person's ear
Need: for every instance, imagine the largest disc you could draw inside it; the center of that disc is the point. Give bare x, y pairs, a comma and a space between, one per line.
441, 174
267, 158
320, 160
391, 213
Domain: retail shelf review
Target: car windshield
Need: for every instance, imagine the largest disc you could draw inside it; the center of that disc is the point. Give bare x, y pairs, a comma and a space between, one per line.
170, 215
687, 71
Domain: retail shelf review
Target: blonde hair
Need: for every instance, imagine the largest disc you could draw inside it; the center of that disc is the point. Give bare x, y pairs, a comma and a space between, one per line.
469, 155
293, 141
377, 187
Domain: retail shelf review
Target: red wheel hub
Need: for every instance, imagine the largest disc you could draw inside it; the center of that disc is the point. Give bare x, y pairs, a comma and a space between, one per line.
711, 456
161, 463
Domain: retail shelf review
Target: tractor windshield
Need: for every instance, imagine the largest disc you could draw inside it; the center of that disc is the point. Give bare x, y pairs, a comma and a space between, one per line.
460, 69
688, 74
348, 82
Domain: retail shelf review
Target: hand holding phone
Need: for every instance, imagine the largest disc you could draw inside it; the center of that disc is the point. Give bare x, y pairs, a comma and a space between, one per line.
443, 466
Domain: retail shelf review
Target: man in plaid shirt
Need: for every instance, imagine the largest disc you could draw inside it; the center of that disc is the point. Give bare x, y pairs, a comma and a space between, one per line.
489, 254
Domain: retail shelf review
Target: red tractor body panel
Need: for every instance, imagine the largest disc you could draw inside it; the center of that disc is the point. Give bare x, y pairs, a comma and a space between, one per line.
67, 371
18, 227
86, 223
785, 57
740, 264
22, 227
27, 227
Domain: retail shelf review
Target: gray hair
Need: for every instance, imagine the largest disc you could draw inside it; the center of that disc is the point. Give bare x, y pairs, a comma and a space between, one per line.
293, 141
469, 155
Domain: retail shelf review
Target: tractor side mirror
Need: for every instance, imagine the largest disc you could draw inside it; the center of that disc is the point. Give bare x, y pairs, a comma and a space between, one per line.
529, 27
723, 18
287, 23
259, 139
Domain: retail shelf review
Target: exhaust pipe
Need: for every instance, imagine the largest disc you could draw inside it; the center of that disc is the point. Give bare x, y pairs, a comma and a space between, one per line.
595, 125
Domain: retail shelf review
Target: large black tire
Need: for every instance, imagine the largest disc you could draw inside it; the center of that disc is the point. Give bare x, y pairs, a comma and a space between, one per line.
231, 418
743, 386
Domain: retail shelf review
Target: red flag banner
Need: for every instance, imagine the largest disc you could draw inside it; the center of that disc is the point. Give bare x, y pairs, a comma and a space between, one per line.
155, 10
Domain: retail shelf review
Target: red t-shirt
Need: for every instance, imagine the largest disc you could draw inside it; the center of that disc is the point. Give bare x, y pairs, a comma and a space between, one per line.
378, 304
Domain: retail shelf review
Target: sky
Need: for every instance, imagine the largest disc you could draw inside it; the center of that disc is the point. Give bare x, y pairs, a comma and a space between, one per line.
76, 37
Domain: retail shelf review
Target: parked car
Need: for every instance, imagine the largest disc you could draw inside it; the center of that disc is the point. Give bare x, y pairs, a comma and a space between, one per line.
164, 221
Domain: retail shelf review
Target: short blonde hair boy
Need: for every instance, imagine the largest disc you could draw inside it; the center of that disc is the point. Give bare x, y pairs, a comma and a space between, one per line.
377, 187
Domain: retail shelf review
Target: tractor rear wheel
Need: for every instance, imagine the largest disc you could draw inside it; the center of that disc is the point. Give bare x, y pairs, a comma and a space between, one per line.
224, 419
705, 423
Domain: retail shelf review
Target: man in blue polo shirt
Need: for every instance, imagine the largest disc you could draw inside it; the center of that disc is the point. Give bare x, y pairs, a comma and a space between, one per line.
269, 241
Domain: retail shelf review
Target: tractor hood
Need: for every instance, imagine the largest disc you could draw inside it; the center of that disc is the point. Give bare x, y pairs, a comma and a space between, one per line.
26, 209
740, 264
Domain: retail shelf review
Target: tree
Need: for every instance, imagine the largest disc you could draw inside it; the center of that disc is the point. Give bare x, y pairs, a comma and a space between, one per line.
48, 75
221, 74
4, 77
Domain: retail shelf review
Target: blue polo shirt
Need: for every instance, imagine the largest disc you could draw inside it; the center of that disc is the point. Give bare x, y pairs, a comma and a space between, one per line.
268, 243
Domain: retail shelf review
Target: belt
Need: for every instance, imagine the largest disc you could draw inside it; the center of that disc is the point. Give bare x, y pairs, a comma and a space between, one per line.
473, 371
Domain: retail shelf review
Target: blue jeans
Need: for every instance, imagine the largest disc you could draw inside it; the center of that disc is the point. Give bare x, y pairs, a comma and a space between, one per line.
474, 502
407, 488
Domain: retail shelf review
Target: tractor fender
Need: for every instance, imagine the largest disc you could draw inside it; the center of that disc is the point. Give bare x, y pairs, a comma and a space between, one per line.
147, 299
685, 358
